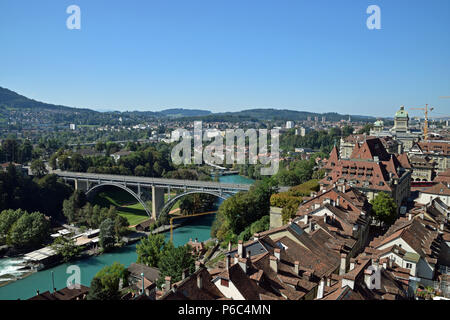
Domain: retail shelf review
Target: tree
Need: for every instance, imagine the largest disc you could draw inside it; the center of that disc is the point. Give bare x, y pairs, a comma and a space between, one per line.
107, 234
7, 220
30, 230
242, 209
149, 250
66, 247
366, 129
52, 193
38, 168
73, 205
100, 146
384, 208
120, 225
347, 130
106, 283
173, 261
288, 212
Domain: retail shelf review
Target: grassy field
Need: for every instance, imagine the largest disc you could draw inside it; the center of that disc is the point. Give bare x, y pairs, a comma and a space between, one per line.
127, 206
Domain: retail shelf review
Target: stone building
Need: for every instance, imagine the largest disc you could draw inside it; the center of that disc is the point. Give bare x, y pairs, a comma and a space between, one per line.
437, 151
371, 170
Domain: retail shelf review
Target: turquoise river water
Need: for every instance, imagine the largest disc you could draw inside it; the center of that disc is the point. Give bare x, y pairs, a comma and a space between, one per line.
25, 288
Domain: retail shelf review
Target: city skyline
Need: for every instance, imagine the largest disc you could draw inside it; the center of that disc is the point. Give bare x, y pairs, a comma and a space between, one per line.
316, 57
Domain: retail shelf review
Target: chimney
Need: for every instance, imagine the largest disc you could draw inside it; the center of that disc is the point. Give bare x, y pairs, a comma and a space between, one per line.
367, 277
384, 264
352, 264
184, 274
256, 236
37, 292
441, 226
338, 201
199, 281
375, 263
277, 253
274, 264
198, 264
241, 252
320, 289
236, 258
308, 275
228, 261
296, 267
343, 266
390, 262
243, 264
168, 285
305, 219
329, 281
409, 217
142, 276
229, 245
421, 215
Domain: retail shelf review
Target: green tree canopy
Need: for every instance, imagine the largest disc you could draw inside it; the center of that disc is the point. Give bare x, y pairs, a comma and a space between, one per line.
107, 236
29, 231
105, 284
66, 247
384, 208
174, 261
38, 168
149, 250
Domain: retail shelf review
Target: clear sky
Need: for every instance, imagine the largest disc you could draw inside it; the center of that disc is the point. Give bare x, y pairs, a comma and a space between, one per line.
229, 55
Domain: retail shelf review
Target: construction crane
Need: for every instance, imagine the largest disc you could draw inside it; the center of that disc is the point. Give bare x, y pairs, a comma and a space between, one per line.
426, 110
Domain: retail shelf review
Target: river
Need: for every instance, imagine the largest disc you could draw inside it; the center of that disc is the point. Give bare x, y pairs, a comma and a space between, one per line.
25, 288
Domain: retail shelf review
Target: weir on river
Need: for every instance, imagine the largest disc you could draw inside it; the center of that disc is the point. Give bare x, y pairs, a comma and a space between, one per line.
25, 288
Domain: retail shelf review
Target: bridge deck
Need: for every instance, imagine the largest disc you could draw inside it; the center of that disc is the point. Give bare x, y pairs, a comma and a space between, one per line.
156, 182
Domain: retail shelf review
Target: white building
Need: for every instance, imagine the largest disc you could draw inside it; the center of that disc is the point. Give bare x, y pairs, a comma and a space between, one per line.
440, 190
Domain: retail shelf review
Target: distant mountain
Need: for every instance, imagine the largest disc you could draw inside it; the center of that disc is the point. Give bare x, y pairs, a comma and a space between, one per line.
13, 100
276, 114
184, 113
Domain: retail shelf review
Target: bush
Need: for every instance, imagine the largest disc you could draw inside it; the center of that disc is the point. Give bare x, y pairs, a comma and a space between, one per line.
304, 189
280, 200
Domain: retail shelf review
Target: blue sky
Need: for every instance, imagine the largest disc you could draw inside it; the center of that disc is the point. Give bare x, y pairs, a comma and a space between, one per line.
229, 55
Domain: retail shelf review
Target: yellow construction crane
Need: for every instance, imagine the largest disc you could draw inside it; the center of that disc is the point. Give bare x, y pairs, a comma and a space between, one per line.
426, 110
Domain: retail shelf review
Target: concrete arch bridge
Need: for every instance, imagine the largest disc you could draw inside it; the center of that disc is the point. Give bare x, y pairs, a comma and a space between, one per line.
138, 187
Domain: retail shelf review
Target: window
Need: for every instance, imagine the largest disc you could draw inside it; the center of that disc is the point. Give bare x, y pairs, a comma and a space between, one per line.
224, 282
408, 266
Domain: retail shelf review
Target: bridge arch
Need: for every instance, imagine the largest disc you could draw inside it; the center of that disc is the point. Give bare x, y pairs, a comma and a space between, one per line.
173, 200
93, 189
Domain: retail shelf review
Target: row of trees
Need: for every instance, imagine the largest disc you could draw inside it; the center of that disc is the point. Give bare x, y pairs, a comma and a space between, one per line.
145, 161
14, 150
80, 212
